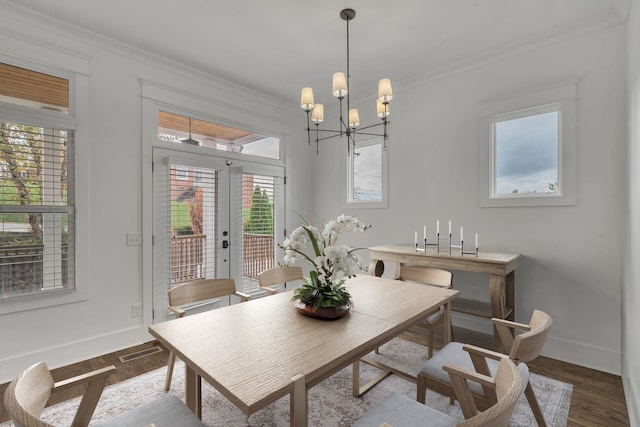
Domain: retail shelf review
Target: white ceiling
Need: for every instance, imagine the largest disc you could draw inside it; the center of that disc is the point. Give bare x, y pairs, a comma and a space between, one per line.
278, 46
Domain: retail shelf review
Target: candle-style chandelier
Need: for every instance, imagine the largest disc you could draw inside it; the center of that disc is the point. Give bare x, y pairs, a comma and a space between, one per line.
315, 112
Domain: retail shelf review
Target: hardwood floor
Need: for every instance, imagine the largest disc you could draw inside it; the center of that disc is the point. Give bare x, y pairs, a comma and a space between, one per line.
597, 400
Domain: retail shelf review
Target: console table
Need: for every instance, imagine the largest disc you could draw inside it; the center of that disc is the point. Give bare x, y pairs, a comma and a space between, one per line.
500, 266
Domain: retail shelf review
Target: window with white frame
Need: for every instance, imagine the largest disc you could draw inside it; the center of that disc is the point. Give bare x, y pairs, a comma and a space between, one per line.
367, 175
37, 183
528, 149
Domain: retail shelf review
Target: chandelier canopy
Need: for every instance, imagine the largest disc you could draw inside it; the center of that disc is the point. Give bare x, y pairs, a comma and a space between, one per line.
315, 112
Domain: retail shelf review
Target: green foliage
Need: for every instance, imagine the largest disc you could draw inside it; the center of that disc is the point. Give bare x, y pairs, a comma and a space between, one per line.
261, 213
315, 294
180, 218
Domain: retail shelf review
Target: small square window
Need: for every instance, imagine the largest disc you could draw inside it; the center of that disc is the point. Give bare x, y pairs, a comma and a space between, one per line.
527, 153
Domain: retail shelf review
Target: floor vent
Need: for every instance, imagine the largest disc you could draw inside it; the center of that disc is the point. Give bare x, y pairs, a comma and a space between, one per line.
139, 354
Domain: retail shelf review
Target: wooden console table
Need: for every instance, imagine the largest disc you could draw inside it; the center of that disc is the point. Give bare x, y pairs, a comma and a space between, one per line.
501, 268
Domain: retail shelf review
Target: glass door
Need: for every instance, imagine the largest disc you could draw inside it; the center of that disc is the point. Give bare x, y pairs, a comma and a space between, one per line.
191, 235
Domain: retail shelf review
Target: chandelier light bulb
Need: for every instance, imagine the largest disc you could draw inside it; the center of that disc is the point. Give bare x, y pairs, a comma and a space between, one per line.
306, 98
382, 109
385, 94
354, 118
318, 113
339, 85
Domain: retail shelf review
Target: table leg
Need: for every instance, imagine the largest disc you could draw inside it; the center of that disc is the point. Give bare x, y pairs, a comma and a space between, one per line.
447, 323
497, 297
193, 391
298, 415
510, 295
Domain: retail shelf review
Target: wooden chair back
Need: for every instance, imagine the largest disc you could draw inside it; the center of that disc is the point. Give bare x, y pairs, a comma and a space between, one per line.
526, 346
509, 386
279, 275
203, 290
428, 275
27, 395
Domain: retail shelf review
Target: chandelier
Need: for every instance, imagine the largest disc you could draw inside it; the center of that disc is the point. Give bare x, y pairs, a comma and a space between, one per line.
315, 112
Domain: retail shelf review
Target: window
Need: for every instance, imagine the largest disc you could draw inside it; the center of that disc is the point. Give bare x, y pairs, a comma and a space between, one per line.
526, 154
366, 168
258, 236
528, 149
37, 193
182, 174
187, 130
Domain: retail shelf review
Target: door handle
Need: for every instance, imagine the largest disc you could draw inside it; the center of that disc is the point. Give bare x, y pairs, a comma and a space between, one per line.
225, 244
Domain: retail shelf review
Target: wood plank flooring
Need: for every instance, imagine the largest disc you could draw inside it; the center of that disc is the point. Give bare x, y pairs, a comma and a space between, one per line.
598, 398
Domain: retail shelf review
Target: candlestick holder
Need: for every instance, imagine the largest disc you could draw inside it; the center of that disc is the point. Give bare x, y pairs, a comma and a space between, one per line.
426, 243
463, 253
461, 247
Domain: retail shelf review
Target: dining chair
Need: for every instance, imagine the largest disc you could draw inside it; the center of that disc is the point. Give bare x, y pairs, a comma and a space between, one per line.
27, 395
278, 276
422, 332
193, 292
522, 348
508, 383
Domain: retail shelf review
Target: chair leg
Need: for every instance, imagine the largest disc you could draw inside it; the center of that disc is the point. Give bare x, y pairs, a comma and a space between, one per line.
533, 403
430, 342
172, 361
422, 389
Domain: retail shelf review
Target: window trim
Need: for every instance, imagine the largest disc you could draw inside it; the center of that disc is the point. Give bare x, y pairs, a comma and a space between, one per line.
560, 98
349, 203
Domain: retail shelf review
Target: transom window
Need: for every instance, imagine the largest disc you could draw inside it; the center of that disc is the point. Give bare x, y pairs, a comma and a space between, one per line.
187, 130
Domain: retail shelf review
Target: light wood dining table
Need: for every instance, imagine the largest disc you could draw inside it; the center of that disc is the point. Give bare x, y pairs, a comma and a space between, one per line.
261, 350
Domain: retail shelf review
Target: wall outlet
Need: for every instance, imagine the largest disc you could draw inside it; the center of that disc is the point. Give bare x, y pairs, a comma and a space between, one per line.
136, 310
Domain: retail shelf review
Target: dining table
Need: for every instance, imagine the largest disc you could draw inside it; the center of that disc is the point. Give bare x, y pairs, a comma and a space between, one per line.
259, 351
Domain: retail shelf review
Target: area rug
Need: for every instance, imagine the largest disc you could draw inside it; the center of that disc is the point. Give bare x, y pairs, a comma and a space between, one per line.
331, 402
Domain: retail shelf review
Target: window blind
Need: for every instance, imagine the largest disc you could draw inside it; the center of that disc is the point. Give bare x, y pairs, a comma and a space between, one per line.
258, 243
193, 225
37, 238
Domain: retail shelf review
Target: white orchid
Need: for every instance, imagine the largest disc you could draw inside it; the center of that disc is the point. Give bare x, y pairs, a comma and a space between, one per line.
332, 263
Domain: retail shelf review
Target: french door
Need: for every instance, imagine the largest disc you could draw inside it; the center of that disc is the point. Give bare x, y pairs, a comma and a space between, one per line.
213, 217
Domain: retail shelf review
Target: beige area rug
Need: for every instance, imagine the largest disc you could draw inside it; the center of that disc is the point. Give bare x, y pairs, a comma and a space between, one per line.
330, 403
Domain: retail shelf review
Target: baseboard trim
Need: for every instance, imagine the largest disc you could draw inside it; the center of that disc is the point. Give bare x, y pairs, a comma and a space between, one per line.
72, 352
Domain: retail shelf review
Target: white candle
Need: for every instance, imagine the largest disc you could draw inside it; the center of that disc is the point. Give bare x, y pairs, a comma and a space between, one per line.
461, 235
449, 227
476, 240
438, 226
425, 232
416, 237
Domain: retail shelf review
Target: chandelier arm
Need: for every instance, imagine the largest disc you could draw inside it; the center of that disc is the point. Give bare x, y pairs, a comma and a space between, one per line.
308, 128
341, 117
369, 127
370, 134
328, 137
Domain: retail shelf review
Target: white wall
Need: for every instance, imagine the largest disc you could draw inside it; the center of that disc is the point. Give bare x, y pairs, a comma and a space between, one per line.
571, 256
630, 291
68, 333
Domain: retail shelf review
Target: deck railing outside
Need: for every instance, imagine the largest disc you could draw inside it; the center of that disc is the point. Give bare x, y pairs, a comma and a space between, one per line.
188, 256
